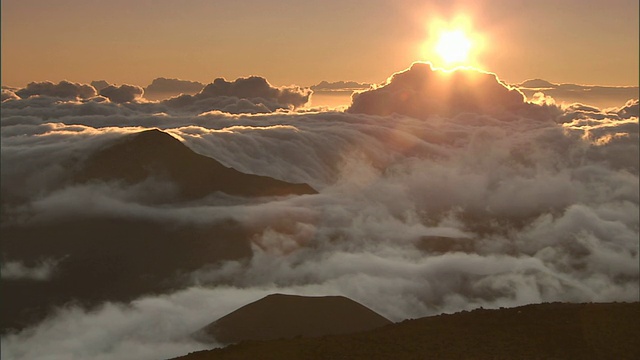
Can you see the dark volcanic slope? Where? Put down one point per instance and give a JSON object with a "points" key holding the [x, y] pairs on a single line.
{"points": [[542, 331], [153, 153], [286, 316], [108, 259]]}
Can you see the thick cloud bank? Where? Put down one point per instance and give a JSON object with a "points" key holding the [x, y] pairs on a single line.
{"points": [[63, 89], [163, 88], [422, 92], [438, 192], [244, 95], [601, 96], [123, 93]]}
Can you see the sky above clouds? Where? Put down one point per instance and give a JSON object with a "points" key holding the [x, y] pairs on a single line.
{"points": [[305, 42]]}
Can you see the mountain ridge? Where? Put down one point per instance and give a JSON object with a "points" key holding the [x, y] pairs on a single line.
{"points": [[536, 331], [286, 316], [157, 154]]}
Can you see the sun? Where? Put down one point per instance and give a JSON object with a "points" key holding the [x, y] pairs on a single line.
{"points": [[453, 43], [453, 47]]}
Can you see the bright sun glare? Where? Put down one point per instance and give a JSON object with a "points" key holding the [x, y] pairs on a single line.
{"points": [[453, 47], [453, 43]]}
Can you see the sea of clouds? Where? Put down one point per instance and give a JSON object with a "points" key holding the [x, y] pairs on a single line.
{"points": [[438, 192]]}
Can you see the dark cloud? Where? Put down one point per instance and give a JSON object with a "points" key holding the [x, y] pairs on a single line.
{"points": [[423, 92], [63, 89], [163, 88], [123, 93]]}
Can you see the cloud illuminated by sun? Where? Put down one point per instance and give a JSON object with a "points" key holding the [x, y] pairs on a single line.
{"points": [[453, 43]]}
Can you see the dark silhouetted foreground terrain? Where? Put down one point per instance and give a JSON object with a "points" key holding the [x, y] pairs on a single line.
{"points": [[154, 153], [541, 331]]}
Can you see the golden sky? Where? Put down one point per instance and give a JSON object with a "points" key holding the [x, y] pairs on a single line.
{"points": [[305, 42]]}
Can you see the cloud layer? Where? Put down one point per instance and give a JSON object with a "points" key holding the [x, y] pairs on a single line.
{"points": [[601, 96], [423, 92], [244, 95], [257, 90], [437, 193], [63, 89], [339, 86], [123, 93], [163, 88]]}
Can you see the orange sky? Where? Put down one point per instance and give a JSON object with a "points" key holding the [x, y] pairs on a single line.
{"points": [[304, 42]]}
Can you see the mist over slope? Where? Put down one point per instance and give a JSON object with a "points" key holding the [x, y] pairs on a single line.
{"points": [[431, 204]]}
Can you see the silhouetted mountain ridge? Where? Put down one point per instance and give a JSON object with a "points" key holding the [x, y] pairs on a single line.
{"points": [[156, 154], [286, 316], [537, 331]]}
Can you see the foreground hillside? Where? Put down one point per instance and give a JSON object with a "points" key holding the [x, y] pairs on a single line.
{"points": [[541, 331], [280, 316]]}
